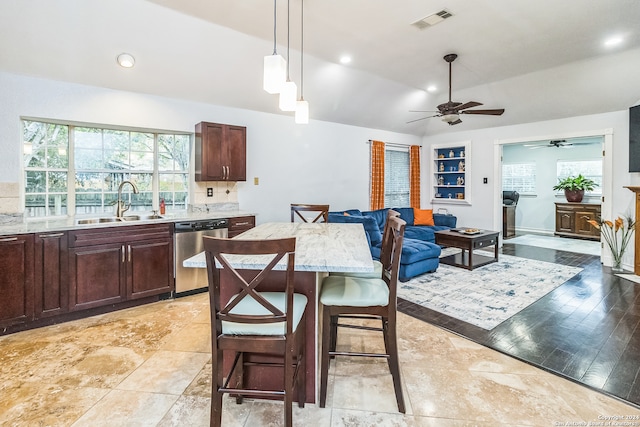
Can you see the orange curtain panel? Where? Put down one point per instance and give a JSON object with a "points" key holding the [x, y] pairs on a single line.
{"points": [[414, 176], [377, 175]]}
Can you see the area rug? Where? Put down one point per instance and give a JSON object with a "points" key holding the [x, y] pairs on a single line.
{"points": [[488, 295], [559, 243]]}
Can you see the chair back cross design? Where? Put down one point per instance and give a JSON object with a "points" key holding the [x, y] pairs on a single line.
{"points": [[255, 322], [297, 209]]}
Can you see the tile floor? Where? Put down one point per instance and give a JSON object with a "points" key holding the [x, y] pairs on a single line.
{"points": [[150, 366]]}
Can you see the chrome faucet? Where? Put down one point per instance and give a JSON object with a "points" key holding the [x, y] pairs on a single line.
{"points": [[121, 206]]}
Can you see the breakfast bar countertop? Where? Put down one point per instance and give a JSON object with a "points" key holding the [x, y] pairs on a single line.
{"points": [[323, 247]]}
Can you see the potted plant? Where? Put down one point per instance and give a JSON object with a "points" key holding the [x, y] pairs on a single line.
{"points": [[574, 187]]}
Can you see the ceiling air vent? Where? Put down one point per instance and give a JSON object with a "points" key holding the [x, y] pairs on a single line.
{"points": [[433, 19]]}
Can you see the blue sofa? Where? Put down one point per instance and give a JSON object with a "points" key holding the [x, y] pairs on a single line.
{"points": [[420, 254]]}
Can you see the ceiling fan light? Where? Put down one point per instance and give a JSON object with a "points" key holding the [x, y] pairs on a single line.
{"points": [[302, 112], [450, 118], [275, 73], [288, 96]]}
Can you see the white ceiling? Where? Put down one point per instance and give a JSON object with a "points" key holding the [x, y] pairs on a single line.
{"points": [[539, 60]]}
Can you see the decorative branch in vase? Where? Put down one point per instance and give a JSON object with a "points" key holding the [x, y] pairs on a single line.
{"points": [[617, 234]]}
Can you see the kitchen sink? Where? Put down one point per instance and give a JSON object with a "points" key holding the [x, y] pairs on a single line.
{"points": [[97, 220], [116, 219]]}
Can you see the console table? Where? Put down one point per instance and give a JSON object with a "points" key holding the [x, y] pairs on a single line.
{"points": [[571, 220]]}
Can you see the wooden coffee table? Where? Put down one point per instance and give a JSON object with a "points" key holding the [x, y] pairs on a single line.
{"points": [[468, 242]]}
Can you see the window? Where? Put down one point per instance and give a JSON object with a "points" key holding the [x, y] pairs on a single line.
{"points": [[591, 169], [520, 177], [396, 178], [97, 160]]}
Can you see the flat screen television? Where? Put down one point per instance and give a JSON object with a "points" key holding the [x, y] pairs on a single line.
{"points": [[634, 139]]}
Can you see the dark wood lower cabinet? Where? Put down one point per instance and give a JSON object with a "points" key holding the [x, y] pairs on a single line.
{"points": [[51, 274], [149, 268], [128, 263], [96, 276], [16, 280], [240, 224]]}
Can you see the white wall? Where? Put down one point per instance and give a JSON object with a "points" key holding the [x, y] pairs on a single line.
{"points": [[320, 162], [537, 212], [485, 198]]}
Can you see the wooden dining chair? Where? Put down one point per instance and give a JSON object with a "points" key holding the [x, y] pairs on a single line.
{"points": [[253, 322], [345, 297], [322, 212]]}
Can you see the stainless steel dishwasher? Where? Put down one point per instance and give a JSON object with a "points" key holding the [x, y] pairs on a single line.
{"points": [[188, 242]]}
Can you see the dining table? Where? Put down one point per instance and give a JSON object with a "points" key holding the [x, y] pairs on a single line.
{"points": [[321, 248]]}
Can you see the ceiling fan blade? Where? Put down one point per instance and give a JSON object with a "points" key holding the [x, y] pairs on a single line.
{"points": [[470, 104], [496, 112], [428, 117], [455, 123]]}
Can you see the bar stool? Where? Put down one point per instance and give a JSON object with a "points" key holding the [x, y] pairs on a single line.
{"points": [[344, 297], [253, 322]]}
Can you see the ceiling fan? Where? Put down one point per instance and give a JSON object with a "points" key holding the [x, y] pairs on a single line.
{"points": [[450, 111], [558, 143]]}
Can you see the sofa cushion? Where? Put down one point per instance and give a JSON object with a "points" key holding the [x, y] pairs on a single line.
{"points": [[447, 221], [379, 215], [370, 226], [407, 271], [422, 232], [413, 251], [423, 216], [406, 214]]}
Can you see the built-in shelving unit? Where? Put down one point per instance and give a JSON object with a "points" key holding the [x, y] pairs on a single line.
{"points": [[450, 174]]}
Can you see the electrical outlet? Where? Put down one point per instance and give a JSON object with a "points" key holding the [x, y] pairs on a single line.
{"points": [[209, 192]]}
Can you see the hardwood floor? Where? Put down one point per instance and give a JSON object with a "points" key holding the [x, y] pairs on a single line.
{"points": [[586, 330]]}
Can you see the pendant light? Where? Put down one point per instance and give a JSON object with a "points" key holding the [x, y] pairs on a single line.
{"points": [[275, 72], [302, 106], [289, 90]]}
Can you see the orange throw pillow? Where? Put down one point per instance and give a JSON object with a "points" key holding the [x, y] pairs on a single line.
{"points": [[423, 216]]}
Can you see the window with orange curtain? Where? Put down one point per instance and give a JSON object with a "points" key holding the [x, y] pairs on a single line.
{"points": [[414, 176], [377, 175]]}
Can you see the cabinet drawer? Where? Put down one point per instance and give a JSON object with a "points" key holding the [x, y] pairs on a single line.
{"points": [[98, 236], [484, 243], [241, 224]]}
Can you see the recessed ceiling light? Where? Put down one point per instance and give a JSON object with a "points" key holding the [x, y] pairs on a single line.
{"points": [[432, 88], [613, 41], [345, 59], [125, 60]]}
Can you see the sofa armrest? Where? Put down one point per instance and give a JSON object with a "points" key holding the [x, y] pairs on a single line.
{"points": [[446, 220]]}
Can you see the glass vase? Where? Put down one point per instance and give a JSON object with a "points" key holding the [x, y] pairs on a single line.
{"points": [[617, 265]]}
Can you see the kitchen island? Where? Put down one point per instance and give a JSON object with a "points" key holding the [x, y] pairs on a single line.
{"points": [[320, 249]]}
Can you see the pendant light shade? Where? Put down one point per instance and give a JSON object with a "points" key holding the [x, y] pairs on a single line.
{"points": [[302, 112], [275, 73], [275, 67], [288, 96]]}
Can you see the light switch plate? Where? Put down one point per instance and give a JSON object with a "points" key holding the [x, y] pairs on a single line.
{"points": [[256, 180]]}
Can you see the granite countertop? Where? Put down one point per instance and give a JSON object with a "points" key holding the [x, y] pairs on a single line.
{"points": [[323, 247], [70, 223]]}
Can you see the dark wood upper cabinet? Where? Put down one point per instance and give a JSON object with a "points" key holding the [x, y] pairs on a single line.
{"points": [[220, 152]]}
